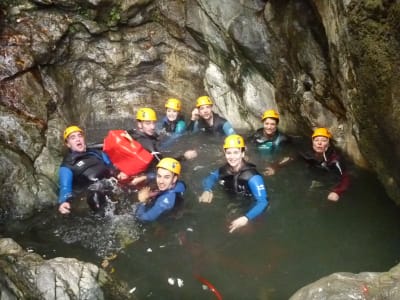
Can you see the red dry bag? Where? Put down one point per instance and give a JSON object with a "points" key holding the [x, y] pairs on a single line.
{"points": [[125, 153]]}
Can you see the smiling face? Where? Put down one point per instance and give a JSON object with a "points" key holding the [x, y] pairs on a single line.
{"points": [[234, 157], [320, 144], [172, 114], [147, 127], [165, 179], [76, 142], [270, 126], [205, 111]]}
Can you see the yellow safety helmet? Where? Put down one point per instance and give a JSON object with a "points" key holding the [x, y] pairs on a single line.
{"points": [[71, 129], [146, 114], [173, 104], [234, 141], [203, 100], [270, 113], [322, 131], [170, 164]]}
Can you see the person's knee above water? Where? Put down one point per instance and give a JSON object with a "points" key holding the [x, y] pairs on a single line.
{"points": [[269, 138], [80, 168], [169, 195], [205, 120], [240, 177], [145, 133]]}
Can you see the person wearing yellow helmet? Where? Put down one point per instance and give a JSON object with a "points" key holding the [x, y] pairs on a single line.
{"points": [[145, 133], [169, 195], [205, 120], [80, 169], [269, 138], [240, 177], [173, 122], [323, 156]]}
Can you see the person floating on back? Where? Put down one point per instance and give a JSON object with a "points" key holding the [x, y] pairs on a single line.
{"points": [[240, 177], [205, 120], [82, 170], [168, 196]]}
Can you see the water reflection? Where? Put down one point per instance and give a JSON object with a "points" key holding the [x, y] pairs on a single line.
{"points": [[300, 238]]}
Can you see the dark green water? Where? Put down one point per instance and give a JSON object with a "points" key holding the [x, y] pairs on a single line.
{"points": [[299, 239]]}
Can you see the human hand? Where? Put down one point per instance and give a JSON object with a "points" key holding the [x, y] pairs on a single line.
{"points": [[237, 223], [144, 194], [64, 208], [138, 179], [195, 114], [332, 196], [269, 171], [206, 197], [122, 176], [190, 154]]}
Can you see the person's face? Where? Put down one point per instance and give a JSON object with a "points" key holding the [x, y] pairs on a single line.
{"points": [[147, 127], [270, 126], [172, 114], [165, 179], [234, 157], [205, 112], [320, 144], [76, 142]]}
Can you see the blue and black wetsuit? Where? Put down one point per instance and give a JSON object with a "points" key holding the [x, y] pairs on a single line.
{"points": [[247, 182], [172, 130], [219, 126], [80, 169], [165, 202]]}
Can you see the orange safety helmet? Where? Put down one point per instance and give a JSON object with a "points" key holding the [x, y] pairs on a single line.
{"points": [[174, 103], [322, 131], [71, 129], [270, 113]]}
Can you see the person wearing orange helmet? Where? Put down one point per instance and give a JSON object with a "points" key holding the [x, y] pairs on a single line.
{"points": [[169, 196], [323, 156], [269, 138], [82, 168], [240, 177], [205, 120]]}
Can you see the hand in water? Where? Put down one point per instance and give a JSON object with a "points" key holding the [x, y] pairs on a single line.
{"points": [[190, 154], [239, 222], [269, 171], [64, 208], [206, 197], [144, 194], [333, 196]]}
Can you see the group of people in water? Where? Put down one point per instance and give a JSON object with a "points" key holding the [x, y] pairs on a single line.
{"points": [[85, 168]]}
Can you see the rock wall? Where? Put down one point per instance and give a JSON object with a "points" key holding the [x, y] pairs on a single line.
{"points": [[320, 63]]}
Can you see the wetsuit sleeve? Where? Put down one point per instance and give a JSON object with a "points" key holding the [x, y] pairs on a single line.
{"points": [[65, 180], [228, 129], [163, 203], [344, 182], [210, 180], [259, 192], [180, 127], [193, 126]]}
